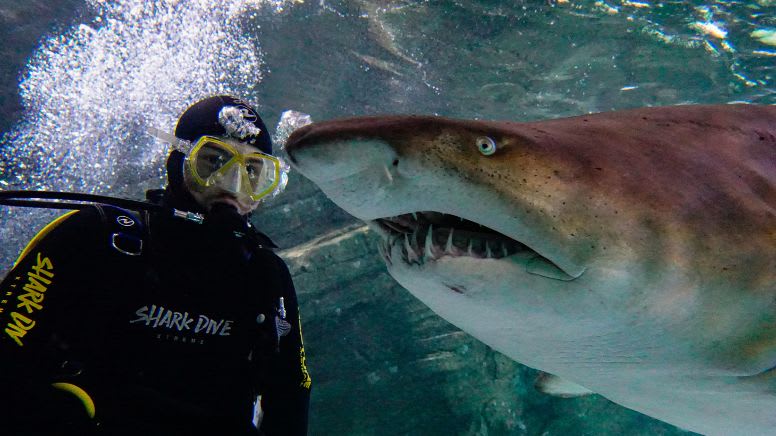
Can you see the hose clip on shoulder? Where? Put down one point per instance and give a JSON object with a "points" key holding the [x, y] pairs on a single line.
{"points": [[190, 216]]}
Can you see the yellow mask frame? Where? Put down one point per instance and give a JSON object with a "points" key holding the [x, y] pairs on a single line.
{"points": [[215, 175]]}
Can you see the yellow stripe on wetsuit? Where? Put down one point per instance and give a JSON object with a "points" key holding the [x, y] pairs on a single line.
{"points": [[41, 234], [80, 394]]}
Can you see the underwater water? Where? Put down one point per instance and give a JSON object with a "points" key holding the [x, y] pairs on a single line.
{"points": [[82, 80]]}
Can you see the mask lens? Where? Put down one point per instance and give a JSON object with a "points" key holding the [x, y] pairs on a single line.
{"points": [[210, 158], [216, 163], [261, 173]]}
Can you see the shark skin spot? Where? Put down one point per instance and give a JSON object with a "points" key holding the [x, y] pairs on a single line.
{"points": [[633, 251]]}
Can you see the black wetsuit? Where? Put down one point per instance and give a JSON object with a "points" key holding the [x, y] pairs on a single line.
{"points": [[178, 340]]}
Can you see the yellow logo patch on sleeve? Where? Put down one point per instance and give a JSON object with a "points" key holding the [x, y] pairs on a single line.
{"points": [[30, 299]]}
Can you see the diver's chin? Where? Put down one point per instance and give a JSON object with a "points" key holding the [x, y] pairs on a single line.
{"points": [[227, 200], [241, 203]]}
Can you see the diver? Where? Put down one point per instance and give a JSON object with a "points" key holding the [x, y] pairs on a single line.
{"points": [[124, 322]]}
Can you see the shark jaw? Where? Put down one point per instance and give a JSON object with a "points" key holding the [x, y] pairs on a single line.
{"points": [[419, 239]]}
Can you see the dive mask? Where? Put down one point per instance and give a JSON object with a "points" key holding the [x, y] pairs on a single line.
{"points": [[212, 162]]}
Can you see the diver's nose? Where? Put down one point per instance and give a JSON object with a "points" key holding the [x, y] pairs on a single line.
{"points": [[231, 179]]}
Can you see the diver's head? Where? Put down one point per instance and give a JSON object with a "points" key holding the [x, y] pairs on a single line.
{"points": [[228, 159]]}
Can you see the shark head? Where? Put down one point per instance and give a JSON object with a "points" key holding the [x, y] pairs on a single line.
{"points": [[409, 175], [594, 247]]}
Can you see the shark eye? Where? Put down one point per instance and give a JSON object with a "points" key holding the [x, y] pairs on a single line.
{"points": [[486, 145]]}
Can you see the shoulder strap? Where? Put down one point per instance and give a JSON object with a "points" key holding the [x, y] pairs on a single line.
{"points": [[125, 230]]}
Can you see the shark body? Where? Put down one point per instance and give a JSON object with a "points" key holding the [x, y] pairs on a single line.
{"points": [[632, 253]]}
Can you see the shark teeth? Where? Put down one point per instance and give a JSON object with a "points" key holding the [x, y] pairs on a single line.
{"points": [[449, 243], [429, 236], [428, 252], [388, 174], [429, 243], [419, 240], [411, 254]]}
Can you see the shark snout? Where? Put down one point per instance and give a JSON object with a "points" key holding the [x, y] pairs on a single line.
{"points": [[322, 160], [297, 140], [341, 147]]}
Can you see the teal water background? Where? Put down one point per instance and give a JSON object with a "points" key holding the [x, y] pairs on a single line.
{"points": [[82, 80]]}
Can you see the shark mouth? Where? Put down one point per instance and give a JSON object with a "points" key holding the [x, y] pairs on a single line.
{"points": [[428, 236]]}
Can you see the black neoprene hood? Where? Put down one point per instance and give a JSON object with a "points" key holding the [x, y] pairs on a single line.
{"points": [[200, 119]]}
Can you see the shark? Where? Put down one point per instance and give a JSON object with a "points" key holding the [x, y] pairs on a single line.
{"points": [[629, 253]]}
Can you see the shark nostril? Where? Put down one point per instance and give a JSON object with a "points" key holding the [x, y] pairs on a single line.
{"points": [[396, 162]]}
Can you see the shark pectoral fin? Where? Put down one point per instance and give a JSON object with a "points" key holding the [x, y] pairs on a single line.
{"points": [[556, 386], [542, 267]]}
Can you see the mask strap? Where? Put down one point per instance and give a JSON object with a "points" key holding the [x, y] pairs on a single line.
{"points": [[181, 145]]}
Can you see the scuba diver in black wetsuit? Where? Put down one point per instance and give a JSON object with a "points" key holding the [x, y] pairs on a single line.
{"points": [[119, 323]]}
